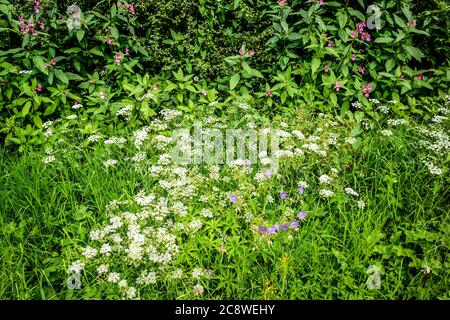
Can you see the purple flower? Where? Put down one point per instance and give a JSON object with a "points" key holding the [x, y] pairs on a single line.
{"points": [[301, 190], [283, 195], [271, 231], [293, 224], [301, 215], [233, 199], [263, 229], [284, 227], [276, 227]]}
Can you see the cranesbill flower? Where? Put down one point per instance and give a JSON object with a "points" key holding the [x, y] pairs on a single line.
{"points": [[263, 229], [293, 224], [241, 52], [284, 227], [233, 199], [301, 215], [283, 195], [271, 231]]}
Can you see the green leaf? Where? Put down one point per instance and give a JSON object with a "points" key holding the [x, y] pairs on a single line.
{"points": [[384, 40], [315, 64], [390, 64], [236, 4], [321, 24], [114, 32], [257, 74], [294, 36], [73, 76], [407, 13], [39, 63], [72, 50], [80, 35], [96, 52], [285, 26], [414, 52], [26, 109], [234, 80], [61, 76], [342, 18], [37, 121]]}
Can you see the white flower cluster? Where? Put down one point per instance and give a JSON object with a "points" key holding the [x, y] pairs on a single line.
{"points": [[115, 140], [351, 192], [125, 111], [396, 122], [110, 163], [433, 168]]}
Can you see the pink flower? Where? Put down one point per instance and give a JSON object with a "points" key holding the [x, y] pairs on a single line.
{"points": [[411, 24], [53, 62], [118, 57], [241, 52], [109, 41], [337, 87], [37, 6], [21, 21], [366, 89], [127, 52], [131, 9], [353, 57], [362, 70], [282, 3], [361, 26], [250, 52], [39, 87], [353, 34], [42, 26], [30, 22], [366, 37], [420, 77], [321, 2], [268, 94], [330, 43], [326, 68]]}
